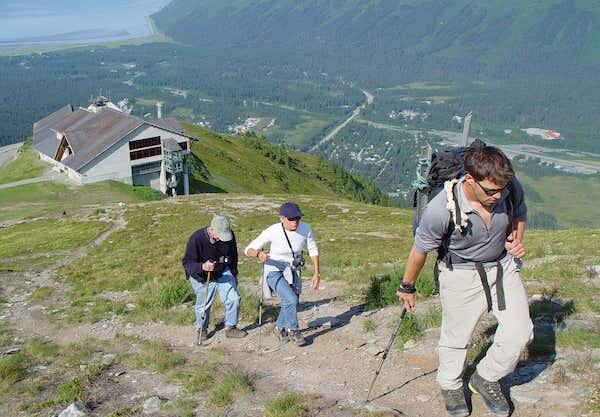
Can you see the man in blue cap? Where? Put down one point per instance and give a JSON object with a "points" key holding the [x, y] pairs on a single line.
{"points": [[212, 251], [283, 266]]}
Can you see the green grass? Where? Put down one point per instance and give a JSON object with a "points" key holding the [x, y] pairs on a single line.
{"points": [[26, 165], [145, 257], [413, 325], [28, 263], [40, 293], [30, 200], [153, 355], [47, 236], [195, 378], [226, 388], [578, 338], [12, 369], [382, 289], [285, 405]]}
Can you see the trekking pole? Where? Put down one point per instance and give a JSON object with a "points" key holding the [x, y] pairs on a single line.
{"points": [[260, 303], [199, 339], [387, 350]]}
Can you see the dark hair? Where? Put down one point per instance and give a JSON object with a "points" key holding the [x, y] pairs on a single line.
{"points": [[489, 163]]}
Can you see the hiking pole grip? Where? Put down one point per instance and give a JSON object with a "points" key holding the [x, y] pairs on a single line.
{"points": [[386, 351], [203, 316]]}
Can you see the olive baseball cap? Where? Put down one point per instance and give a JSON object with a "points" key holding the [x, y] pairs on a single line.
{"points": [[222, 227]]}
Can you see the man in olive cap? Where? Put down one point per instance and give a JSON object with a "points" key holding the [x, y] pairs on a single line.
{"points": [[212, 252]]}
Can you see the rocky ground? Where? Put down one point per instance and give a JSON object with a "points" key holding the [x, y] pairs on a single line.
{"points": [[334, 371]]}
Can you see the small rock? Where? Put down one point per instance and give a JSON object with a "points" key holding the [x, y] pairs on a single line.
{"points": [[289, 358], [119, 373], [525, 398], [108, 359], [11, 351], [410, 343], [130, 307], [594, 268], [536, 297], [152, 405], [423, 398], [74, 410]]}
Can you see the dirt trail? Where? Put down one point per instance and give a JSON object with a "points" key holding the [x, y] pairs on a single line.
{"points": [[337, 366]]}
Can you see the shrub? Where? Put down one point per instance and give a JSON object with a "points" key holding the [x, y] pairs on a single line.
{"points": [[173, 292]]}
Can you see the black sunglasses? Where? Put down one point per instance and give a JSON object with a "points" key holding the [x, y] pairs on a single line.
{"points": [[293, 219], [490, 191]]}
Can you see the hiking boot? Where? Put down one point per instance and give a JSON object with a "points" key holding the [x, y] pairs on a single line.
{"points": [[296, 337], [492, 395], [281, 334], [456, 405], [234, 332]]}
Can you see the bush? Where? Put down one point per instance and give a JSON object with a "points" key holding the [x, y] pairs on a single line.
{"points": [[173, 292]]}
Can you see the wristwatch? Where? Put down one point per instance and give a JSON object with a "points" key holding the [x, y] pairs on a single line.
{"points": [[407, 288]]}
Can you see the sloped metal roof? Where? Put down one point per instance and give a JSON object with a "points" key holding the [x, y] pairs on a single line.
{"points": [[91, 136], [52, 118], [171, 144]]}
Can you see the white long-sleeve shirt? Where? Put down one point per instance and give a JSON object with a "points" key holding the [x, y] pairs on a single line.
{"points": [[280, 255]]}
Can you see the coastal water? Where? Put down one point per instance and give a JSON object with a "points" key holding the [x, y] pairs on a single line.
{"points": [[34, 22]]}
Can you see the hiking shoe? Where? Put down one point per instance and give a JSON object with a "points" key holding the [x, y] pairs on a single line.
{"points": [[234, 332], [492, 395], [281, 334], [456, 405], [296, 337]]}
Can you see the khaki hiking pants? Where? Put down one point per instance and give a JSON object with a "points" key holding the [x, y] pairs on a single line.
{"points": [[463, 303]]}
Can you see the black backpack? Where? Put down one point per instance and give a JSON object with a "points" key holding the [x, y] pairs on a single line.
{"points": [[446, 166]]}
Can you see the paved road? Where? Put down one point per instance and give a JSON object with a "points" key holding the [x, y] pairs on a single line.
{"points": [[355, 114], [529, 151], [8, 152]]}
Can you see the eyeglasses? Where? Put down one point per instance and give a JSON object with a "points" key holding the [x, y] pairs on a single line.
{"points": [[293, 219], [490, 191]]}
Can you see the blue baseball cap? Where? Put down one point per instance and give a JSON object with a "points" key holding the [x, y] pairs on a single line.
{"points": [[290, 210]]}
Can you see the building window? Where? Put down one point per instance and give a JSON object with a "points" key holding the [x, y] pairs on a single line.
{"points": [[183, 145], [145, 153], [144, 143], [143, 169]]}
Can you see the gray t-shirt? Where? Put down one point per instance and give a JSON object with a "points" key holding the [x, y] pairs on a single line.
{"points": [[477, 243]]}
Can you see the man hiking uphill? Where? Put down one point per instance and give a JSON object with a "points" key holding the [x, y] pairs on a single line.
{"points": [[283, 266], [471, 224], [211, 256]]}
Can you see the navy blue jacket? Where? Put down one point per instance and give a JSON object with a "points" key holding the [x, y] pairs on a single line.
{"points": [[199, 249]]}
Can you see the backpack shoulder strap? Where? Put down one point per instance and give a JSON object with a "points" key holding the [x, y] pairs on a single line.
{"points": [[510, 206]]}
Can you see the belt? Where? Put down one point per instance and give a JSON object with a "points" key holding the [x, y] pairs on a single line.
{"points": [[451, 259]]}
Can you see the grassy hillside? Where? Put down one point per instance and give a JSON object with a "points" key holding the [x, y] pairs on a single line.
{"points": [[249, 164]]}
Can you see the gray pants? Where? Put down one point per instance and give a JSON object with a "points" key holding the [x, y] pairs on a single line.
{"points": [[463, 303]]}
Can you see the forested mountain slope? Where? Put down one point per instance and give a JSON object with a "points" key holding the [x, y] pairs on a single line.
{"points": [[381, 39]]}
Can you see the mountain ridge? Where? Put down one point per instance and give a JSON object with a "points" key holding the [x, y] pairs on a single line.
{"points": [[461, 37]]}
